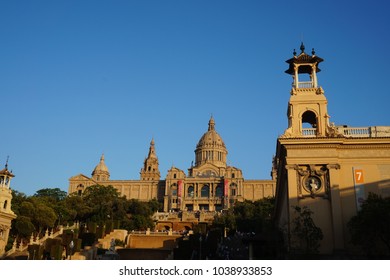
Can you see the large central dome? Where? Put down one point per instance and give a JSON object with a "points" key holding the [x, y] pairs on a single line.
{"points": [[211, 148]]}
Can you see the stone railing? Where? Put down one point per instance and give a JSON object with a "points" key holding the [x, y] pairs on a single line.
{"points": [[308, 84], [353, 132], [185, 216], [370, 131], [149, 232], [22, 247], [309, 132]]}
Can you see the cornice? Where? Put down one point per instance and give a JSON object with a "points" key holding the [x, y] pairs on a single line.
{"points": [[335, 143], [338, 146]]}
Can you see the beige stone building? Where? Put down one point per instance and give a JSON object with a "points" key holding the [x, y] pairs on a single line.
{"points": [[6, 214], [209, 185], [328, 168]]}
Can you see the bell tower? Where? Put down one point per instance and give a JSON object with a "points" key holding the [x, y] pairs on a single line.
{"points": [[307, 109], [6, 214], [150, 170]]}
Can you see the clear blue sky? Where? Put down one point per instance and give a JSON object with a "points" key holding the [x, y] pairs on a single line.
{"points": [[82, 78]]}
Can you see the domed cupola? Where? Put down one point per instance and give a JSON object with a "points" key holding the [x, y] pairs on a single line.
{"points": [[100, 173], [211, 148]]}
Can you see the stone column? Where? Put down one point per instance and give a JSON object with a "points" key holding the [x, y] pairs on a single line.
{"points": [[293, 196], [166, 203], [334, 178]]}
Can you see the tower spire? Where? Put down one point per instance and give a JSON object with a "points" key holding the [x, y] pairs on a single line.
{"points": [[150, 170], [6, 163], [152, 150]]}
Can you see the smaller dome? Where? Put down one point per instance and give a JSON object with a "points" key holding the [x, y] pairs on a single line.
{"points": [[101, 167]]}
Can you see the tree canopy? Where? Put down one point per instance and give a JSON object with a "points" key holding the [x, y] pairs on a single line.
{"points": [[370, 228], [305, 235], [48, 208], [247, 216]]}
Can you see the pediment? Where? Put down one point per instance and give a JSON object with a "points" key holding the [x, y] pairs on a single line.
{"points": [[80, 177], [232, 168], [175, 169]]}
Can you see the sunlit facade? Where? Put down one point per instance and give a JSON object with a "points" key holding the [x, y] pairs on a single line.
{"points": [[6, 214], [209, 185], [328, 168]]}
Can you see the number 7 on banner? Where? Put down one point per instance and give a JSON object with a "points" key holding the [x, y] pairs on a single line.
{"points": [[359, 178]]}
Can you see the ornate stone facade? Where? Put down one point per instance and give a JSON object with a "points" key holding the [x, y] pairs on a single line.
{"points": [[210, 185], [6, 214], [330, 169]]}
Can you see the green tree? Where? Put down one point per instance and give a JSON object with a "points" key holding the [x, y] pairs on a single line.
{"points": [[44, 216], [55, 194], [247, 216], [227, 220], [100, 199], [72, 208], [265, 208], [155, 205], [36, 211], [305, 235], [17, 199], [370, 228], [138, 215], [136, 207], [27, 209], [23, 227]]}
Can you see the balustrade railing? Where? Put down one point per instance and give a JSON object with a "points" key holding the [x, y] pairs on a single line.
{"points": [[309, 132], [353, 132], [305, 84], [21, 247]]}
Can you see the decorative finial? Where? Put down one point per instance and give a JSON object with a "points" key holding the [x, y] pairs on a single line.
{"points": [[211, 124], [295, 53], [313, 52], [6, 163], [302, 48]]}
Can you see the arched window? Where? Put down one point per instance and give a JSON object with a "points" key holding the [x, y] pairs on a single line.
{"points": [[190, 191], [309, 118], [80, 189], [219, 191], [205, 191], [5, 204]]}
